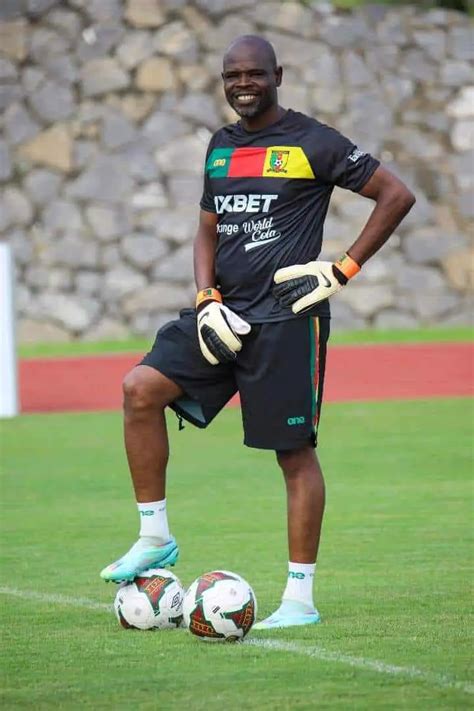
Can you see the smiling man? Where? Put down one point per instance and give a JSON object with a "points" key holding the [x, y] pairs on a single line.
{"points": [[261, 322]]}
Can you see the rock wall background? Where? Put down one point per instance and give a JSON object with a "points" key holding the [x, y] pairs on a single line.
{"points": [[106, 109]]}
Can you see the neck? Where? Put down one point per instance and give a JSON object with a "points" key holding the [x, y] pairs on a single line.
{"points": [[270, 116]]}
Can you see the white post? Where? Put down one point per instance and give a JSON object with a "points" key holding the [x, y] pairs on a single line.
{"points": [[8, 375]]}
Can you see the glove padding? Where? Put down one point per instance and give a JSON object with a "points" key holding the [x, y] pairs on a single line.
{"points": [[301, 286], [218, 330]]}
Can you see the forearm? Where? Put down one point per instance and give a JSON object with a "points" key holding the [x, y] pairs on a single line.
{"points": [[302, 286], [204, 262], [205, 252], [389, 211], [218, 327]]}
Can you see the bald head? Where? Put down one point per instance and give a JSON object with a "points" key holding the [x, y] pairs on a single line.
{"points": [[251, 46], [251, 78]]}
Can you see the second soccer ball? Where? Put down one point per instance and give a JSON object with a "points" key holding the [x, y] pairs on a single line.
{"points": [[220, 606]]}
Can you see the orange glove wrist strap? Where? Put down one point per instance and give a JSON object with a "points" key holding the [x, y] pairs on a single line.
{"points": [[347, 266], [209, 294]]}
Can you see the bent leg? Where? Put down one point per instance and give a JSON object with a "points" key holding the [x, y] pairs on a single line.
{"points": [[147, 392], [305, 502]]}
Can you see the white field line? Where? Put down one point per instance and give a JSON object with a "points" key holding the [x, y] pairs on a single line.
{"points": [[274, 645], [361, 663], [55, 599]]}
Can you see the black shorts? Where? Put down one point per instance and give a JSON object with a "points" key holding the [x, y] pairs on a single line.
{"points": [[279, 374]]}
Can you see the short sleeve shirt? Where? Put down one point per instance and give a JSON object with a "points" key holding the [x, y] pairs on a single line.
{"points": [[271, 190]]}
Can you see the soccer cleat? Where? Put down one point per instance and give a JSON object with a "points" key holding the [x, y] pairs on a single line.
{"points": [[290, 614], [140, 558]]}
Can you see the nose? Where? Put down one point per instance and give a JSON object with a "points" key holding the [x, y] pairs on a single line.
{"points": [[243, 80]]}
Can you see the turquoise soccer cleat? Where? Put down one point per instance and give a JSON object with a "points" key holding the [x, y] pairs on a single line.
{"points": [[139, 558], [290, 614]]}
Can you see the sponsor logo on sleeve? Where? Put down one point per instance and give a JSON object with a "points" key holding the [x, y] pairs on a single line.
{"points": [[355, 155]]}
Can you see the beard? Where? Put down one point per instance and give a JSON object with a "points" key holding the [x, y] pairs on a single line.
{"points": [[256, 108]]}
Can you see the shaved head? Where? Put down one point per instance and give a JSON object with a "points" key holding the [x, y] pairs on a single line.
{"points": [[251, 79], [251, 45]]}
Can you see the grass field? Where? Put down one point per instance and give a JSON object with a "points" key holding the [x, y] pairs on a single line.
{"points": [[461, 5], [393, 583], [141, 345]]}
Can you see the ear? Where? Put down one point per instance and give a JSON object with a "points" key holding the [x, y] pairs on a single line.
{"points": [[278, 76]]}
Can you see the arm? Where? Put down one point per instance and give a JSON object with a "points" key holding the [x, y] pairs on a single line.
{"points": [[393, 200], [304, 285], [218, 327], [205, 250]]}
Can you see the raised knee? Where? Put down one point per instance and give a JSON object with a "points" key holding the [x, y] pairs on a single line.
{"points": [[137, 392]]}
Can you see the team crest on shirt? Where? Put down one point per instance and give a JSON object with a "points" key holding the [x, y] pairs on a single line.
{"points": [[278, 161]]}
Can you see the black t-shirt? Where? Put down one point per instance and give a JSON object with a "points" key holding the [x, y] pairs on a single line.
{"points": [[271, 192]]}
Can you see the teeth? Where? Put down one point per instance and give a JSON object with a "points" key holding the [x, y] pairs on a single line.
{"points": [[245, 97]]}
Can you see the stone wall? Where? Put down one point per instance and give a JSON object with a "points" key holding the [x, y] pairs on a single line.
{"points": [[106, 109]]}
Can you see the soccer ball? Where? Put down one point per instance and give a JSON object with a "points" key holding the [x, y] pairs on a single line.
{"points": [[219, 607], [153, 600]]}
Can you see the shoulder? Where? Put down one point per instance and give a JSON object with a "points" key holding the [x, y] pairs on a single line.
{"points": [[313, 134], [302, 122], [316, 129], [224, 135]]}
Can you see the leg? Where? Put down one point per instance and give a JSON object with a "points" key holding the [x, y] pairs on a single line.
{"points": [[146, 394], [305, 504], [297, 362], [305, 500]]}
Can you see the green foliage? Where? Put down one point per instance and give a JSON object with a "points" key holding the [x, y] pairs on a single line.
{"points": [[460, 5], [392, 582]]}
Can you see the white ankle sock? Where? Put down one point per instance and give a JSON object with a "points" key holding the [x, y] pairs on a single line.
{"points": [[299, 586], [154, 522]]}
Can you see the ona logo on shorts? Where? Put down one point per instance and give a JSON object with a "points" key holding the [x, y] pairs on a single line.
{"points": [[243, 203], [295, 421]]}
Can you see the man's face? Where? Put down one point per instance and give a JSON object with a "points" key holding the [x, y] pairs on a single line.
{"points": [[250, 82]]}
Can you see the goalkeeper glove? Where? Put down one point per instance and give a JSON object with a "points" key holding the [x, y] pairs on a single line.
{"points": [[301, 286], [218, 327]]}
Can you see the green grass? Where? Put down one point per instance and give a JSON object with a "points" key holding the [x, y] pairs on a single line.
{"points": [[422, 335], [75, 348], [393, 581], [460, 5], [38, 350]]}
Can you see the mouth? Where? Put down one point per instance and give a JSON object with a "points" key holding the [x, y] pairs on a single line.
{"points": [[245, 99]]}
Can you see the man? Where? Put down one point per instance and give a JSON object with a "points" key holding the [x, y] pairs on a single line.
{"points": [[262, 317]]}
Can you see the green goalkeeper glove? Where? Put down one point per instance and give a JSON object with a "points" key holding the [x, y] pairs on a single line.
{"points": [[301, 286], [218, 328]]}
